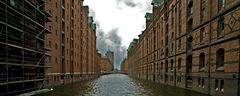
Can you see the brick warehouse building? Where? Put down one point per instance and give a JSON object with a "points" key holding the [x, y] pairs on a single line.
{"points": [[192, 44], [45, 43], [22, 49], [105, 65], [124, 65], [73, 42]]}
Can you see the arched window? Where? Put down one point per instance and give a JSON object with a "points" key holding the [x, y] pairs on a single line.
{"points": [[220, 58], [201, 61], [172, 65]]}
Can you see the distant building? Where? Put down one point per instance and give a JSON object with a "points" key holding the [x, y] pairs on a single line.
{"points": [[124, 65], [105, 65], [109, 54], [97, 67]]}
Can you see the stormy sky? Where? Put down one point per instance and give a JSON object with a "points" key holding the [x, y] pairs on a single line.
{"points": [[118, 22]]}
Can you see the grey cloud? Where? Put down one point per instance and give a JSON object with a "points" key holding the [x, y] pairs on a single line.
{"points": [[113, 42], [129, 3]]}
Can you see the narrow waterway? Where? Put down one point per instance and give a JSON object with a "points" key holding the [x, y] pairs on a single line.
{"points": [[118, 85]]}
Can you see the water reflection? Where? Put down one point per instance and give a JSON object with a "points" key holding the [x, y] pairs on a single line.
{"points": [[118, 85], [156, 89]]}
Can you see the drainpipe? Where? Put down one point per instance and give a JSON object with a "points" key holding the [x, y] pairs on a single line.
{"points": [[209, 48]]}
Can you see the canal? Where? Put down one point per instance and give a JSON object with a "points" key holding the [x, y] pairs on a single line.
{"points": [[118, 85]]}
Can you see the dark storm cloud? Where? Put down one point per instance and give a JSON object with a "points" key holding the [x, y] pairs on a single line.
{"points": [[129, 3], [111, 41]]}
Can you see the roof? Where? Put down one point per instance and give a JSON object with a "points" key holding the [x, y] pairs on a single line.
{"points": [[158, 2], [91, 22], [132, 44], [148, 16]]}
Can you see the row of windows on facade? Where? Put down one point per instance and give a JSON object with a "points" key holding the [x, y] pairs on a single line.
{"points": [[220, 33], [218, 87], [221, 4], [201, 82], [202, 15], [219, 62], [202, 35], [63, 3]]}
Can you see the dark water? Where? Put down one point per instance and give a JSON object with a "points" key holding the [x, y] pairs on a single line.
{"points": [[118, 85]]}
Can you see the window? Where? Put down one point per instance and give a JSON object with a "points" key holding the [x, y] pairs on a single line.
{"points": [[220, 59], [56, 60], [201, 61], [216, 85], [63, 26], [202, 82], [202, 35], [63, 3], [161, 65], [56, 19], [190, 25], [221, 4], [220, 27], [166, 29], [199, 82], [166, 67], [190, 9], [167, 40], [171, 65], [172, 47], [190, 40], [49, 44], [179, 19], [56, 46], [56, 32], [166, 53], [162, 42], [72, 1], [179, 44], [50, 28], [63, 13], [222, 85], [179, 63], [172, 18], [56, 5], [72, 14], [202, 12]]}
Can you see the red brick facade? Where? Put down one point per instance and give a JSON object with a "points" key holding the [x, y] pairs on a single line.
{"points": [[73, 43], [194, 45]]}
